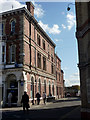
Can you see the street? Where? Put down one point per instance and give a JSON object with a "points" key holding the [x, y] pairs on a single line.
{"points": [[63, 109]]}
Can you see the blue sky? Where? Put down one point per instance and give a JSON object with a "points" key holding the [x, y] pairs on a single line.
{"points": [[60, 25]]}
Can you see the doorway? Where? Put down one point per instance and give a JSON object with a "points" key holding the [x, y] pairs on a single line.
{"points": [[12, 87]]}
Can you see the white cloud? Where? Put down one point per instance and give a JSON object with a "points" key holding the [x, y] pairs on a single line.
{"points": [[6, 5], [64, 27], [58, 40], [73, 80], [39, 12], [52, 30], [71, 20]]}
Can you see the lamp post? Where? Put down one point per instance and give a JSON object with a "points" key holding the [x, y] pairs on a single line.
{"points": [[68, 8]]}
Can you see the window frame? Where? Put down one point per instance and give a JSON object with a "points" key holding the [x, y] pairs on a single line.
{"points": [[13, 26]]}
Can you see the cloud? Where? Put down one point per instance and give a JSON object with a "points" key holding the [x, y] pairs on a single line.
{"points": [[64, 27], [39, 12], [70, 20], [73, 80], [6, 5], [52, 30]]}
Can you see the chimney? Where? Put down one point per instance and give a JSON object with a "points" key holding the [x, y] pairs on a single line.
{"points": [[30, 7]]}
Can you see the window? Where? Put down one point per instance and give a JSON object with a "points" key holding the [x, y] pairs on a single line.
{"points": [[39, 86], [56, 75], [38, 60], [12, 53], [45, 86], [43, 44], [49, 88], [59, 76], [2, 28], [32, 87], [48, 55], [38, 40], [3, 53], [44, 63], [52, 69], [52, 88], [51, 57], [13, 26]]}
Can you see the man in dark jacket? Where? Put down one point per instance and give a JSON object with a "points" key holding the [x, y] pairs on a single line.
{"points": [[38, 98], [25, 101]]}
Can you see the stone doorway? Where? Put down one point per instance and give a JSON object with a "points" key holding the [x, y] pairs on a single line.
{"points": [[12, 86]]}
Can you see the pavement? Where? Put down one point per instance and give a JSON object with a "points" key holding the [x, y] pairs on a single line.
{"points": [[72, 115]]}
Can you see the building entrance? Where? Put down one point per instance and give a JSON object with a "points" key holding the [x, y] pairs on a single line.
{"points": [[12, 87]]}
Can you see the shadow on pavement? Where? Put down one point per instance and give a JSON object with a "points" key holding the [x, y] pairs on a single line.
{"points": [[45, 114]]}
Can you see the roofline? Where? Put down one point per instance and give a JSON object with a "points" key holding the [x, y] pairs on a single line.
{"points": [[23, 8], [57, 57]]}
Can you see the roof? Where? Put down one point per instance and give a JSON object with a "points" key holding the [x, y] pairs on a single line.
{"points": [[23, 9], [57, 57]]}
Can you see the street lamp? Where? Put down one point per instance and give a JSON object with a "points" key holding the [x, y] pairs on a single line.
{"points": [[68, 8]]}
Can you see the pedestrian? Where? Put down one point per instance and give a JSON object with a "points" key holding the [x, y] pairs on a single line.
{"points": [[25, 101], [38, 98], [44, 97], [9, 99]]}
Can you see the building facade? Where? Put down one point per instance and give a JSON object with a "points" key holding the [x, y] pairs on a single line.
{"points": [[59, 78], [83, 38], [29, 56]]}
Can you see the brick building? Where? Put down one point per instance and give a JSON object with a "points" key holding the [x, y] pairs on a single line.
{"points": [[28, 56], [59, 78], [83, 38]]}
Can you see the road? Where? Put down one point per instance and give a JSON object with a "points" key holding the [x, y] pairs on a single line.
{"points": [[58, 110]]}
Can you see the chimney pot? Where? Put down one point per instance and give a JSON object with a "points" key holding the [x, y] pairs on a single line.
{"points": [[30, 7]]}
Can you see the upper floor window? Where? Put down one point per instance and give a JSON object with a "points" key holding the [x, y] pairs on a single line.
{"points": [[56, 75], [38, 40], [44, 63], [48, 55], [52, 68], [12, 53], [43, 44], [48, 52], [1, 29], [59, 76], [13, 26], [3, 53], [38, 60], [51, 57]]}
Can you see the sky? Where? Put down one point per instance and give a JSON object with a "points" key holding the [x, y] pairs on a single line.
{"points": [[60, 25]]}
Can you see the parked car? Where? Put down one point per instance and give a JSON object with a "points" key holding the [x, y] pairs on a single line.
{"points": [[68, 95]]}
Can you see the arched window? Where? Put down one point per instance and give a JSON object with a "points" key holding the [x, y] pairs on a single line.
{"points": [[52, 88], [49, 89], [32, 87], [45, 86], [13, 26], [39, 86]]}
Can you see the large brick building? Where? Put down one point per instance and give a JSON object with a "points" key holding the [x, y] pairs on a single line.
{"points": [[83, 38], [28, 57]]}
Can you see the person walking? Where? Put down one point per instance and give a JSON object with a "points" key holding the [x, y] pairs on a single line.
{"points": [[44, 97], [9, 99], [38, 98], [25, 101]]}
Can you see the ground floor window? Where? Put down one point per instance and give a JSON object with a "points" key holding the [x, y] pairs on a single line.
{"points": [[39, 86], [32, 87]]}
